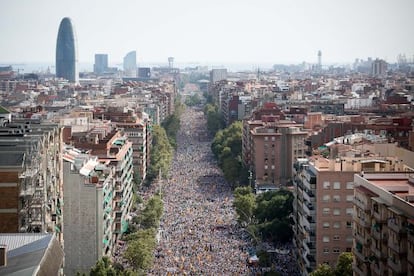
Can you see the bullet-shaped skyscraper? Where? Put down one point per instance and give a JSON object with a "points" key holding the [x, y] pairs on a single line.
{"points": [[66, 52]]}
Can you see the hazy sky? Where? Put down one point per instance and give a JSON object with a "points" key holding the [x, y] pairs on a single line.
{"points": [[242, 31]]}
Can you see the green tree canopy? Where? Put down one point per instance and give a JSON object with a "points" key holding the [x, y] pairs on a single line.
{"points": [[344, 264], [227, 148], [323, 270], [161, 153], [244, 203]]}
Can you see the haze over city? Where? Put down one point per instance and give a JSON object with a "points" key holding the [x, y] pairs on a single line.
{"points": [[211, 32]]}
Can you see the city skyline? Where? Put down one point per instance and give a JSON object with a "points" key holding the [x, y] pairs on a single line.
{"points": [[220, 32]]}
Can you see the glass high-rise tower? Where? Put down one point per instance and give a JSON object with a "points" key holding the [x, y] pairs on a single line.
{"points": [[130, 64], [66, 52]]}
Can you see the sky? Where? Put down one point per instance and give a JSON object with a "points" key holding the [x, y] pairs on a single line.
{"points": [[213, 31]]}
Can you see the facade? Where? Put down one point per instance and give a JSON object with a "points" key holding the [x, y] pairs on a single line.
{"points": [[384, 224], [323, 205], [89, 210], [130, 64], [101, 63], [269, 149], [135, 128], [66, 52], [113, 148], [30, 178]]}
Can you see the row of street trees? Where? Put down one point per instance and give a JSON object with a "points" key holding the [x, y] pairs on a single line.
{"points": [[163, 143], [140, 241], [267, 215]]}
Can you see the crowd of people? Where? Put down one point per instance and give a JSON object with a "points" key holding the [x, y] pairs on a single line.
{"points": [[198, 233]]}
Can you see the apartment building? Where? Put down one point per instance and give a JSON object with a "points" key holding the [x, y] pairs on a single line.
{"points": [[384, 223], [30, 178], [112, 148], [269, 149], [323, 204], [90, 210]]}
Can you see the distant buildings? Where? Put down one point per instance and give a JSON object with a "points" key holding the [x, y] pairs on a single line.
{"points": [[66, 52], [379, 68], [101, 63], [218, 75], [130, 64]]}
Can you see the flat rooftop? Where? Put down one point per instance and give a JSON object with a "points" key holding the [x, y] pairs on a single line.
{"points": [[399, 184]]}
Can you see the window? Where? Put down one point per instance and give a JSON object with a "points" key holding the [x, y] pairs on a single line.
{"points": [[349, 239], [326, 185], [349, 224], [349, 198], [336, 237], [273, 138], [326, 198], [266, 138], [326, 225], [337, 185], [350, 185], [326, 211], [349, 211], [336, 212], [337, 224], [325, 239], [326, 250], [335, 250], [336, 198], [348, 249]]}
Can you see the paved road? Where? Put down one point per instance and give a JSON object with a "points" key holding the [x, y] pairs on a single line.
{"points": [[198, 233]]}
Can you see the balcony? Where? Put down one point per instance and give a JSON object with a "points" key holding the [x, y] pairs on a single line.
{"points": [[397, 228], [410, 256], [362, 221], [27, 191], [359, 237], [362, 205], [358, 270], [380, 216], [398, 266], [381, 253], [398, 246]]}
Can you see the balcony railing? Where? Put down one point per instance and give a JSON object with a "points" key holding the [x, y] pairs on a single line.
{"points": [[398, 266], [400, 247], [381, 253], [363, 221], [362, 205], [397, 228]]}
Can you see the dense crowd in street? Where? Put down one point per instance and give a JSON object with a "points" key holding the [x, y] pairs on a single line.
{"points": [[198, 233]]}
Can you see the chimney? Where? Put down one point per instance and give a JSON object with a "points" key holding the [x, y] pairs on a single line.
{"points": [[3, 255]]}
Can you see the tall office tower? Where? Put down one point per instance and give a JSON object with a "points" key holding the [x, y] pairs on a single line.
{"points": [[66, 52], [130, 64], [101, 63], [319, 60]]}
